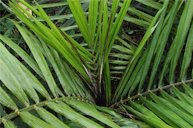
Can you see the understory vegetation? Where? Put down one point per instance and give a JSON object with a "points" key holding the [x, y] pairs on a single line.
{"points": [[96, 64]]}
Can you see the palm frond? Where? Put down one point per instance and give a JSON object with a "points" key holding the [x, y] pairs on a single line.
{"points": [[54, 34], [33, 95], [166, 110], [154, 56]]}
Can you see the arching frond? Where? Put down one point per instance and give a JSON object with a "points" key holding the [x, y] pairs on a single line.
{"points": [[35, 96], [167, 110], [145, 65]]}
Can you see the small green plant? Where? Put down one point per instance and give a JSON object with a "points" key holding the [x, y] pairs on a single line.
{"points": [[89, 73]]}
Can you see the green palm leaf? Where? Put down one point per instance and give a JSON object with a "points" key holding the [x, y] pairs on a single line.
{"points": [[82, 58]]}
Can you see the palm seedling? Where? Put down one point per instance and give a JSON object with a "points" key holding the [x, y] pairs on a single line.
{"points": [[87, 72]]}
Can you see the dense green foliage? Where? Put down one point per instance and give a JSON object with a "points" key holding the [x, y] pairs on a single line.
{"points": [[80, 67]]}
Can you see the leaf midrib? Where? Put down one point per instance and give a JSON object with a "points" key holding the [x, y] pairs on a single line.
{"points": [[122, 101], [40, 104]]}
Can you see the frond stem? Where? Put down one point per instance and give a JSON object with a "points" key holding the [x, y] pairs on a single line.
{"points": [[122, 101], [34, 106]]}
